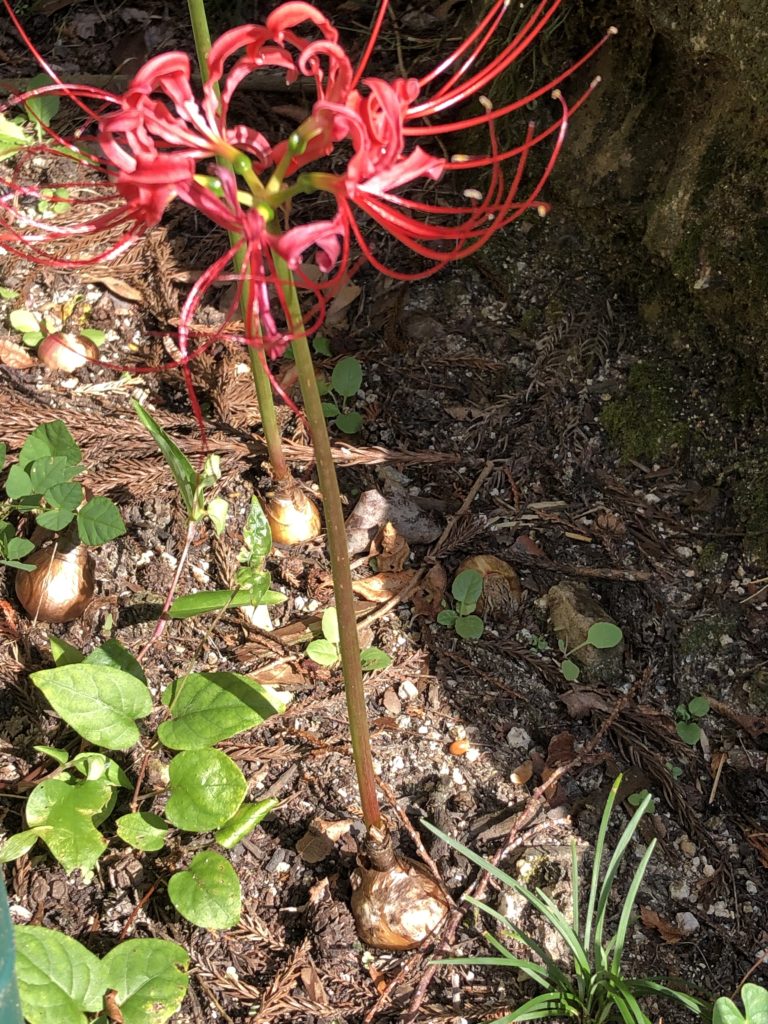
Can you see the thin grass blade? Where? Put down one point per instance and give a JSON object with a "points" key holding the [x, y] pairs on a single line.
{"points": [[629, 902], [594, 887]]}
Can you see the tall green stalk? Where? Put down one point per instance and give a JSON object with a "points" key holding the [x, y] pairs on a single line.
{"points": [[10, 1012], [261, 381]]}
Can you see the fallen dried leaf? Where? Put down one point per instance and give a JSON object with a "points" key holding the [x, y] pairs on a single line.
{"points": [[669, 932], [561, 750], [390, 549], [391, 702], [16, 356], [526, 546], [313, 846], [310, 979], [428, 598], [344, 297], [581, 703], [122, 289], [384, 585], [753, 725]]}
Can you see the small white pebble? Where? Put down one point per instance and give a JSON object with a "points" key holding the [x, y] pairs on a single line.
{"points": [[751, 888], [518, 738], [687, 923], [407, 690], [708, 870], [472, 754]]}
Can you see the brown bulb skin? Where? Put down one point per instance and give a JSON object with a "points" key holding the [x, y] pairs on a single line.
{"points": [[293, 517], [396, 902], [66, 352], [60, 588]]}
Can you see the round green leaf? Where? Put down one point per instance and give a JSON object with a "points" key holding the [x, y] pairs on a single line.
{"points": [[373, 659], [755, 999], [469, 627], [699, 707], [24, 321], [99, 702], [689, 732], [207, 788], [447, 617], [208, 707], [59, 979], [93, 334], [64, 495], [55, 519], [142, 830], [18, 485], [243, 822], [467, 586], [726, 1012], [98, 521], [19, 547], [604, 635], [323, 652], [349, 422], [347, 376], [330, 625], [570, 670], [208, 893], [330, 409], [149, 978]]}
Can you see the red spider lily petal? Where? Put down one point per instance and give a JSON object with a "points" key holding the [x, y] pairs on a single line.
{"points": [[324, 234]]}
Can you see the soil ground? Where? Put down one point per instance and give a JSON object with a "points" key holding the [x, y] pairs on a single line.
{"points": [[482, 396]]}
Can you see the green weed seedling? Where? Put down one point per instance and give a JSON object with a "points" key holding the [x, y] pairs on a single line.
{"points": [[33, 327], [104, 696], [589, 982], [687, 729], [602, 635], [346, 379], [43, 483], [62, 981], [326, 651], [466, 590], [755, 1000]]}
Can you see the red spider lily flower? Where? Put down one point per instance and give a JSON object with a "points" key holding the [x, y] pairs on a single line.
{"points": [[384, 119]]}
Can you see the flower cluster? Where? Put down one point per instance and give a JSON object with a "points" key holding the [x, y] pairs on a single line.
{"points": [[157, 142]]}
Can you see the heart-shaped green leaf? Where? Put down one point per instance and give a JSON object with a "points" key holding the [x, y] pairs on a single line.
{"points": [[208, 707], [324, 653], [69, 807], [207, 788], [49, 439], [349, 422], [698, 707], [55, 519], [373, 659], [99, 702], [149, 978], [59, 979], [51, 471], [208, 893], [114, 655], [143, 830], [98, 521], [64, 495]]}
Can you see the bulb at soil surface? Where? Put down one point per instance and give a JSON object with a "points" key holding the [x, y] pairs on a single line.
{"points": [[398, 906], [66, 352], [502, 592], [60, 588], [293, 517]]}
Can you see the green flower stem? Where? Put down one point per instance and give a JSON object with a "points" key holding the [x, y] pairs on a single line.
{"points": [[349, 644], [261, 381]]}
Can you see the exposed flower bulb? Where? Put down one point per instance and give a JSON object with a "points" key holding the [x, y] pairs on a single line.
{"points": [[66, 352], [61, 586], [502, 592], [396, 902], [293, 517]]}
